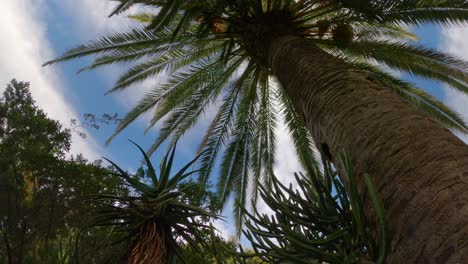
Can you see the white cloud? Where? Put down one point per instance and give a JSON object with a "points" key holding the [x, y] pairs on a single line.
{"points": [[89, 21], [24, 48], [225, 225], [286, 165], [90, 17], [453, 41]]}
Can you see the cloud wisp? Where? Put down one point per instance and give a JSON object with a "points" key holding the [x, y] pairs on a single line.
{"points": [[90, 20], [24, 49], [453, 41]]}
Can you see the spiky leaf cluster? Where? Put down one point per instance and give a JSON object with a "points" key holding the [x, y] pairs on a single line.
{"points": [[159, 202], [214, 53], [318, 221]]}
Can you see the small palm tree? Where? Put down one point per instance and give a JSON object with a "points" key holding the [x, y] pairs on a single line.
{"points": [[320, 63], [155, 217]]}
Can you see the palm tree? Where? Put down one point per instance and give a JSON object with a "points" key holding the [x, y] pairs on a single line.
{"points": [[156, 217], [320, 63]]}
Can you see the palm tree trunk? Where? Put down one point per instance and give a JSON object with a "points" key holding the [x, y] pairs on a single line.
{"points": [[150, 247], [419, 167]]}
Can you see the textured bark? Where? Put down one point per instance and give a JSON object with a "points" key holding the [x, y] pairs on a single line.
{"points": [[150, 247], [419, 167]]}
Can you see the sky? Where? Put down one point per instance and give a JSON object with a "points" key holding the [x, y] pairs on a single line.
{"points": [[34, 31]]}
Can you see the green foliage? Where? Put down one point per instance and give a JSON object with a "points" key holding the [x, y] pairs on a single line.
{"points": [[45, 214], [40, 215], [217, 251], [92, 121], [157, 215], [319, 221], [216, 52]]}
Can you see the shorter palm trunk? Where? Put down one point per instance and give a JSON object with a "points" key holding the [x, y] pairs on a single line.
{"points": [[150, 247], [419, 167]]}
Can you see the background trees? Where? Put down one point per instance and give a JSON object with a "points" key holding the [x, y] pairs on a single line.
{"points": [[50, 212], [41, 217]]}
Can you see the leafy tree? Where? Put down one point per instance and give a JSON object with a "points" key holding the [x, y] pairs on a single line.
{"points": [[40, 215], [27, 138], [317, 59], [220, 251], [81, 179], [94, 122], [217, 250]]}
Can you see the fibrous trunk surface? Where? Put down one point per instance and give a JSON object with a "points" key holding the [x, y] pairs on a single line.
{"points": [[150, 247], [419, 167]]}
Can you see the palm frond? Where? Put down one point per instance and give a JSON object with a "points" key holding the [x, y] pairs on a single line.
{"points": [[416, 16], [135, 39], [194, 101], [416, 60], [235, 176], [265, 146], [301, 138], [169, 62], [219, 128], [417, 98]]}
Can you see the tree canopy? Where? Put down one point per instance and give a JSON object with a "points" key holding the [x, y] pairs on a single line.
{"points": [[41, 216]]}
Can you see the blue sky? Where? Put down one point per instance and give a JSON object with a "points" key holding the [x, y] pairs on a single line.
{"points": [[35, 31]]}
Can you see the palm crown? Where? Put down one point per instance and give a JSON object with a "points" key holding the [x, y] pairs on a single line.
{"points": [[215, 54], [157, 217]]}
